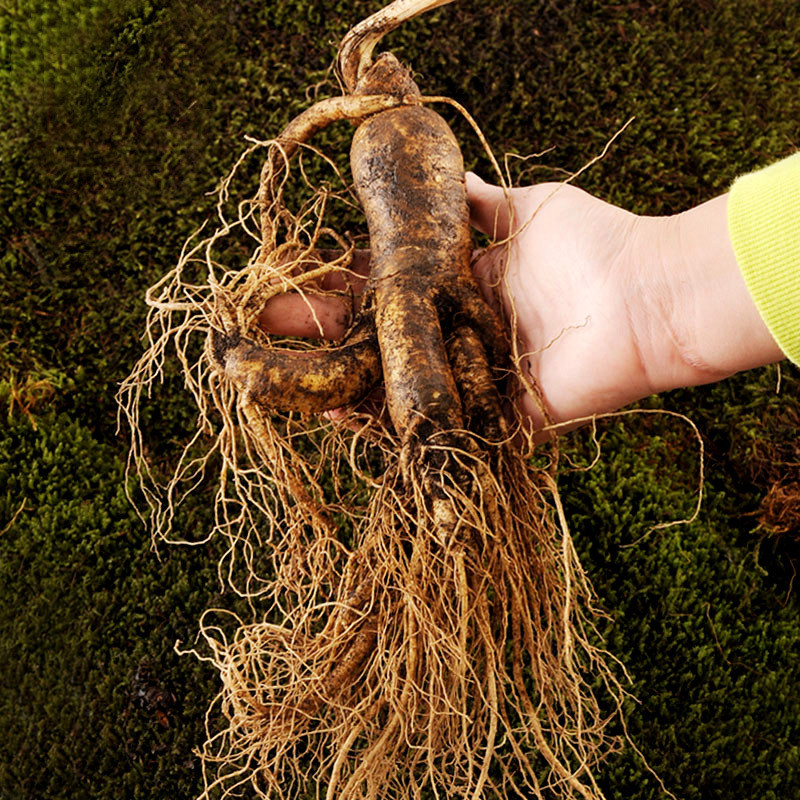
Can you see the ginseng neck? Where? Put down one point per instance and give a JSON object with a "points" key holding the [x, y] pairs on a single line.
{"points": [[387, 76]]}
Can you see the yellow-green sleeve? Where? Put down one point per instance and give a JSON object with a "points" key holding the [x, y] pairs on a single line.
{"points": [[764, 225]]}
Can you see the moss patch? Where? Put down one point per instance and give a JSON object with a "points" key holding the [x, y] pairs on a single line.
{"points": [[120, 114]]}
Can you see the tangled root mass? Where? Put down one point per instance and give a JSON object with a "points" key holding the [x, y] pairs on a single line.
{"points": [[421, 622]]}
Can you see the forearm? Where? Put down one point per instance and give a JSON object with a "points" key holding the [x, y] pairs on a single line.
{"points": [[764, 223], [729, 331]]}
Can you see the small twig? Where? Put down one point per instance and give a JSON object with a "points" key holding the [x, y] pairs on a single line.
{"points": [[14, 518]]}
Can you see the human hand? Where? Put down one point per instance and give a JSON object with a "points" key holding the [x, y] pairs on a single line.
{"points": [[611, 306]]}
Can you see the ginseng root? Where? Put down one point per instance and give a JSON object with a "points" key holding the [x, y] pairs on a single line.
{"points": [[445, 639]]}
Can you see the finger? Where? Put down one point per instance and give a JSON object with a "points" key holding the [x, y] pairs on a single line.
{"points": [[310, 314], [488, 207], [352, 278], [371, 408]]}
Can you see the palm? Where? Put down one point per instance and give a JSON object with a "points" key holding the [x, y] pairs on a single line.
{"points": [[566, 278]]}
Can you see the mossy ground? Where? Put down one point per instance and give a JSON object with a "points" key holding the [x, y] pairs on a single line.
{"points": [[120, 114]]}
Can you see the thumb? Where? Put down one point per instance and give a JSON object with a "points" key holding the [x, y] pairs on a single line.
{"points": [[488, 207]]}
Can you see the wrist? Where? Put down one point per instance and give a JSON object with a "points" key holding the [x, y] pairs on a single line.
{"points": [[701, 322]]}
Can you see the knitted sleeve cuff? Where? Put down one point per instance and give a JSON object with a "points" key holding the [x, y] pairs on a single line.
{"points": [[764, 225]]}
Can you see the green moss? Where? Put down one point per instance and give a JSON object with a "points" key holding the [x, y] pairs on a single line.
{"points": [[94, 696], [710, 642], [120, 115]]}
